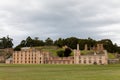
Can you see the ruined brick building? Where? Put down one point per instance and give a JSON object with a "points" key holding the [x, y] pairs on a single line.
{"points": [[33, 56]]}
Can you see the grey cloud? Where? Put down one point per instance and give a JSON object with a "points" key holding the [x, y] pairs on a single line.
{"points": [[60, 18]]}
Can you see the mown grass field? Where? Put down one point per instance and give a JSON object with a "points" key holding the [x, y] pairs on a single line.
{"points": [[59, 72]]}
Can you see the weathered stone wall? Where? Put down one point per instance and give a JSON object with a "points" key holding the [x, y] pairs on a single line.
{"points": [[29, 57], [32, 56], [113, 61]]}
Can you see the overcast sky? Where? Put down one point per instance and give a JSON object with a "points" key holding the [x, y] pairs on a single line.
{"points": [[98, 19]]}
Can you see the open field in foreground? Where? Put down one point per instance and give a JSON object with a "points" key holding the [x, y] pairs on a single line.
{"points": [[59, 72]]}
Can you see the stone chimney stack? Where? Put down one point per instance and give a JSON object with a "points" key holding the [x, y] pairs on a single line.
{"points": [[100, 47], [76, 55], [86, 47], [77, 47]]}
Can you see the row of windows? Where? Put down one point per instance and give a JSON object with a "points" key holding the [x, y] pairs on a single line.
{"points": [[24, 55], [89, 58], [25, 61], [85, 61], [60, 62], [28, 58]]}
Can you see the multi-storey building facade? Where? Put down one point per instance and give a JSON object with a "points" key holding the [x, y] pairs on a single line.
{"points": [[29, 56], [32, 56]]}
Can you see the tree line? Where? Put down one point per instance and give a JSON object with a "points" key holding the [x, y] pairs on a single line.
{"points": [[70, 42], [6, 42]]}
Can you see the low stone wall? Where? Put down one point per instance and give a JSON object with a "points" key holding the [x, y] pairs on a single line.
{"points": [[113, 61], [2, 59], [61, 60]]}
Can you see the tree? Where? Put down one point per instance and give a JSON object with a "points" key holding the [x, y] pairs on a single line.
{"points": [[82, 43], [108, 45], [17, 48], [9, 42], [6, 42], [60, 42], [60, 53], [71, 42], [36, 38], [37, 43], [67, 52], [29, 42], [64, 53], [49, 42], [23, 43]]}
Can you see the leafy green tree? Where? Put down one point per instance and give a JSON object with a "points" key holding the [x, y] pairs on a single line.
{"points": [[108, 45], [91, 43], [82, 43], [9, 42], [64, 53], [29, 42], [49, 42], [23, 43], [118, 50], [36, 38], [18, 48], [60, 53], [71, 42], [60, 42], [38, 43], [67, 52], [6, 42]]}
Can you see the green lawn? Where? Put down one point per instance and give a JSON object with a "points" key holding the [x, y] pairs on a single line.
{"points": [[59, 72]]}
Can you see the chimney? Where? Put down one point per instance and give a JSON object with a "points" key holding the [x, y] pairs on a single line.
{"points": [[77, 47]]}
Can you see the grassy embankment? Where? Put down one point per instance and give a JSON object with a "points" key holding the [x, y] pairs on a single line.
{"points": [[53, 50]]}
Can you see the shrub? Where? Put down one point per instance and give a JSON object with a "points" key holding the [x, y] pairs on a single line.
{"points": [[67, 52], [60, 53]]}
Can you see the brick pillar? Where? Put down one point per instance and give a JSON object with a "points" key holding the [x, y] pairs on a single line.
{"points": [[86, 47], [78, 47], [100, 47]]}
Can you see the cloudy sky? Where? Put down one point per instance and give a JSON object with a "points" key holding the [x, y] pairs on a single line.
{"points": [[98, 19]]}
